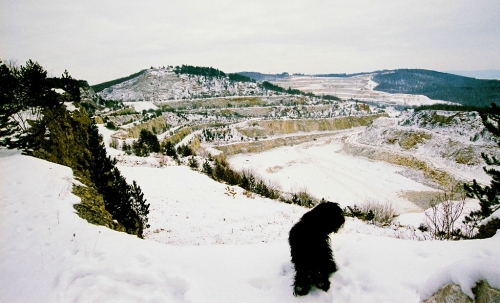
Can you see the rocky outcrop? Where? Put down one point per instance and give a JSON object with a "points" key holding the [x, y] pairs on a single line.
{"points": [[484, 293], [452, 293]]}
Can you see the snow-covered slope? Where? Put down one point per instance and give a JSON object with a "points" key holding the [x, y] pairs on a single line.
{"points": [[49, 254], [163, 84], [322, 169], [452, 141], [360, 87]]}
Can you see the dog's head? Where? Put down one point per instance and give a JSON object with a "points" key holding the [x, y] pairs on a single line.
{"points": [[329, 216]]}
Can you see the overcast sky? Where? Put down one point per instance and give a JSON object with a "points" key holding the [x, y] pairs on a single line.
{"points": [[101, 40]]}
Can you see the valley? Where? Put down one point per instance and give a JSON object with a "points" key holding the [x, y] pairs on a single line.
{"points": [[226, 168], [354, 161], [366, 146]]}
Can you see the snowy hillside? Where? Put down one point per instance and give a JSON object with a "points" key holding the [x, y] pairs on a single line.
{"points": [[453, 141], [360, 87], [163, 84], [49, 254]]}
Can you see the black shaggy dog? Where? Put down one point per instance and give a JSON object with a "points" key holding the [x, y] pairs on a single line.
{"points": [[310, 247]]}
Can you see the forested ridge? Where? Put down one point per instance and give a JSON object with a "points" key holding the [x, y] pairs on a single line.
{"points": [[439, 86]]}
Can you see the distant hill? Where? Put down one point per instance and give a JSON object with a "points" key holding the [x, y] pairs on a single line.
{"points": [[184, 82], [479, 74], [191, 82], [439, 86], [263, 77], [342, 75], [99, 87], [187, 82]]}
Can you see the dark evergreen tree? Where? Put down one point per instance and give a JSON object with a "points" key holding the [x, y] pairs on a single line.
{"points": [[198, 70], [8, 106], [146, 144], [170, 150], [488, 196], [193, 163], [69, 85], [111, 125], [126, 148], [28, 99], [207, 168], [34, 90], [139, 204], [184, 150], [240, 78], [124, 202], [150, 140], [140, 149]]}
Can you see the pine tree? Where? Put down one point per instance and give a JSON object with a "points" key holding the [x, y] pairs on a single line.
{"points": [[8, 85], [124, 202], [71, 86], [207, 168], [149, 140], [170, 150], [488, 196], [25, 98], [193, 163], [139, 204]]}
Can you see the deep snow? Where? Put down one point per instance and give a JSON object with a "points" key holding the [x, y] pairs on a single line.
{"points": [[49, 254], [321, 168]]}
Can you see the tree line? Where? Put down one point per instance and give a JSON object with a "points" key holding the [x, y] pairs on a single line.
{"points": [[440, 86], [199, 71]]}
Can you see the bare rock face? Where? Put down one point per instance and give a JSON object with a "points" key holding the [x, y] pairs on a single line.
{"points": [[484, 293], [452, 293]]}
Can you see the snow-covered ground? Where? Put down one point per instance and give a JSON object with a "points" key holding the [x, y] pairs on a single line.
{"points": [[49, 254], [140, 106], [326, 172], [359, 87]]}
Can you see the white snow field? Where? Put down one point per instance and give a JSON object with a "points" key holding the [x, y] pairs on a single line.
{"points": [[326, 172], [49, 254]]}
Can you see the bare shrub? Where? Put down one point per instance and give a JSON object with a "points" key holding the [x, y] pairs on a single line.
{"points": [[383, 213], [114, 143], [162, 160], [302, 197], [444, 213], [248, 194], [230, 191]]}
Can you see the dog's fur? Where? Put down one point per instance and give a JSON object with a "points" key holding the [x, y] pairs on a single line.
{"points": [[310, 247]]}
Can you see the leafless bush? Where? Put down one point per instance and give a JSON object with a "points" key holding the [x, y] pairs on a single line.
{"points": [[444, 213], [114, 143], [162, 160], [301, 197], [383, 213]]}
